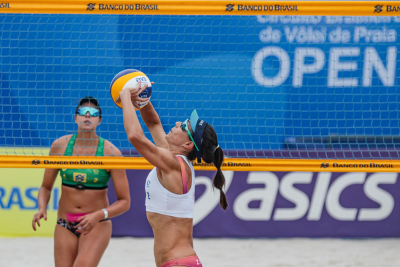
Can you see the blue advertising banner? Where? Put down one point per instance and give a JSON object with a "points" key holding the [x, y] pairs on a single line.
{"points": [[281, 204]]}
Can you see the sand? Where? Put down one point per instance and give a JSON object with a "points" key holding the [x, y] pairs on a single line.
{"points": [[127, 251]]}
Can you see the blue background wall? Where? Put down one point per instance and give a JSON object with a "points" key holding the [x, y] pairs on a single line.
{"points": [[48, 62]]}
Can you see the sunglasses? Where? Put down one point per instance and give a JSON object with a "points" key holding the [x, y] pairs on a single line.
{"points": [[185, 127], [93, 112]]}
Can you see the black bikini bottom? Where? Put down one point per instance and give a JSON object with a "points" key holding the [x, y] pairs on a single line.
{"points": [[71, 225]]}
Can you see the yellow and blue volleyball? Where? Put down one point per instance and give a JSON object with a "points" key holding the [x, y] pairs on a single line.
{"points": [[130, 78]]}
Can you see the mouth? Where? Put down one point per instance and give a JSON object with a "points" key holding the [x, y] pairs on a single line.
{"points": [[87, 122]]}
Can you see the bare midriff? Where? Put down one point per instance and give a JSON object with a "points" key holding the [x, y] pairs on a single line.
{"points": [[81, 201], [172, 237]]}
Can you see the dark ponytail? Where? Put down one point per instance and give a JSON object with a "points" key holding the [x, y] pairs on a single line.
{"points": [[212, 153]]}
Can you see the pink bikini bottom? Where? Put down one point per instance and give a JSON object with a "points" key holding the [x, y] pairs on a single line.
{"points": [[191, 261], [73, 217]]}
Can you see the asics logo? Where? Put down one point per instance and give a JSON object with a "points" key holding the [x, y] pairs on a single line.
{"points": [[323, 193]]}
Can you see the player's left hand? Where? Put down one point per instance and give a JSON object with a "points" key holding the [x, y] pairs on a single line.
{"points": [[88, 222], [134, 94]]}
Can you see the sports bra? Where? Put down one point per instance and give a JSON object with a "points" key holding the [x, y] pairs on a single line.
{"points": [[160, 200], [85, 178]]}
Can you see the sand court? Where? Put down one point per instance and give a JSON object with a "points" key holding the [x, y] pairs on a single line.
{"points": [[138, 252]]}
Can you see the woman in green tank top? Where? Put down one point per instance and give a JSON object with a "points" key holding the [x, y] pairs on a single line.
{"points": [[83, 228]]}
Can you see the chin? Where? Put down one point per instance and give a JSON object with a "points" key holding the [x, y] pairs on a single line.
{"points": [[87, 130]]}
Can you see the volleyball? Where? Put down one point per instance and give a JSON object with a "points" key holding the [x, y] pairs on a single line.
{"points": [[130, 78]]}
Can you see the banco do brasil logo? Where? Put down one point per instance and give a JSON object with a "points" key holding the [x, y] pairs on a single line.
{"points": [[378, 8], [229, 7], [91, 6], [324, 165], [35, 162]]}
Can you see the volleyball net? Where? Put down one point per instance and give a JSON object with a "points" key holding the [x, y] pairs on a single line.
{"points": [[286, 85]]}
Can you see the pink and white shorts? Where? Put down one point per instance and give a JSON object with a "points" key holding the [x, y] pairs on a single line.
{"points": [[191, 261]]}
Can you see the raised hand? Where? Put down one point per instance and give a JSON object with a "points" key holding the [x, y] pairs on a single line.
{"points": [[134, 94]]}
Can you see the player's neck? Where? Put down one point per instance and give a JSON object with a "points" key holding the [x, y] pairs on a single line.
{"points": [[87, 139], [177, 151]]}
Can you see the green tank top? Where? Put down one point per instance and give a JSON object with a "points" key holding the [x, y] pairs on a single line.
{"points": [[85, 178]]}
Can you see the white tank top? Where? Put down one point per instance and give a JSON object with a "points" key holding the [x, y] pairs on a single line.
{"points": [[160, 200]]}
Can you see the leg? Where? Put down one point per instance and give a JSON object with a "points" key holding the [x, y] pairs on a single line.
{"points": [[65, 247], [92, 246]]}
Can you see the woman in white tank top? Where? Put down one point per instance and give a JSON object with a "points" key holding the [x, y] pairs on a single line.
{"points": [[170, 185]]}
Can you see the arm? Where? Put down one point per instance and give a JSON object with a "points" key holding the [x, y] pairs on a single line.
{"points": [[50, 176], [160, 157], [121, 186], [153, 123]]}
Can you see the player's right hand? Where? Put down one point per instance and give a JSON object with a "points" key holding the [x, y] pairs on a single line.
{"points": [[36, 218]]}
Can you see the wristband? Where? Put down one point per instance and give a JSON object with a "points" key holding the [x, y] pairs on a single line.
{"points": [[105, 213]]}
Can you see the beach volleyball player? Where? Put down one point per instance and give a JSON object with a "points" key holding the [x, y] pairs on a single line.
{"points": [[83, 228], [170, 185]]}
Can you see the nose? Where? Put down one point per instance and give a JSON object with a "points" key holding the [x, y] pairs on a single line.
{"points": [[178, 124], [87, 115]]}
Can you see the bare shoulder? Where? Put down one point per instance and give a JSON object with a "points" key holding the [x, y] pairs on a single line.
{"points": [[110, 150], [63, 140], [59, 145]]}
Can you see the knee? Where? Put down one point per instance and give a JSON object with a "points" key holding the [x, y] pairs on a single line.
{"points": [[82, 262]]}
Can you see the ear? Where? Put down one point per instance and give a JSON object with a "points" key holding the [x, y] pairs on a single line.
{"points": [[75, 118], [188, 145], [100, 120]]}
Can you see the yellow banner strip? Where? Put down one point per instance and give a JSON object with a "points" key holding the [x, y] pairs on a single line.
{"points": [[165, 7], [232, 164]]}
